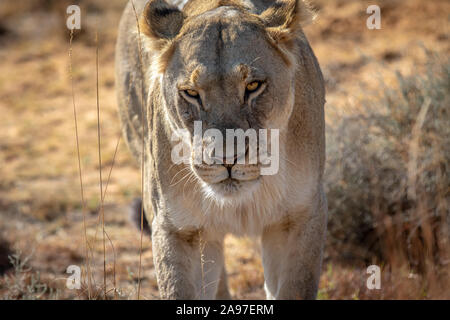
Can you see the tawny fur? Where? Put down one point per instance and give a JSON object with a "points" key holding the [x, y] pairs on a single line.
{"points": [[211, 42]]}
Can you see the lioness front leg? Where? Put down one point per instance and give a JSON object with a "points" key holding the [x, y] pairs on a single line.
{"points": [[188, 265], [292, 255]]}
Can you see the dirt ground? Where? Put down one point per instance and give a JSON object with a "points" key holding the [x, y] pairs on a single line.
{"points": [[40, 212]]}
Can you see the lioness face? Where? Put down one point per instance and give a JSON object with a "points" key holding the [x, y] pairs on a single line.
{"points": [[224, 69]]}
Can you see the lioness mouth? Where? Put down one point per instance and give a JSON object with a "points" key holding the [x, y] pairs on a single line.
{"points": [[229, 181], [230, 185]]}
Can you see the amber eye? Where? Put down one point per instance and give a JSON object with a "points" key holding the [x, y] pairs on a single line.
{"points": [[191, 93], [253, 86]]}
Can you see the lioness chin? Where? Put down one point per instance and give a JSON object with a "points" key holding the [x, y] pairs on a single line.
{"points": [[228, 64]]}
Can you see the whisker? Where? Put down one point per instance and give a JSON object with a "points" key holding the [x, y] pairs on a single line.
{"points": [[186, 175], [291, 162], [192, 176], [182, 170]]}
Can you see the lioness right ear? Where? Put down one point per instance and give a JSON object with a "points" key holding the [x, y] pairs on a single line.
{"points": [[161, 20], [284, 17]]}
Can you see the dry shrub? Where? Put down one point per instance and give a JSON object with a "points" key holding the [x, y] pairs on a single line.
{"points": [[387, 175], [24, 283]]}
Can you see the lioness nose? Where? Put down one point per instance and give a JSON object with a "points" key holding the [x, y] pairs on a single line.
{"points": [[228, 167], [227, 158]]}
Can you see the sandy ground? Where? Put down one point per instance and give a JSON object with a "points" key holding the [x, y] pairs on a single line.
{"points": [[40, 212]]}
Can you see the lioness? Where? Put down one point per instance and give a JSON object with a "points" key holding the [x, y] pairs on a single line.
{"points": [[229, 64]]}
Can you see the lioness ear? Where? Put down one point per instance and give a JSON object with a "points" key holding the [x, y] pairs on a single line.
{"points": [[161, 20], [284, 17]]}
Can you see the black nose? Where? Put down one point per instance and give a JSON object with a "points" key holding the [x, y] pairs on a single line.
{"points": [[228, 167]]}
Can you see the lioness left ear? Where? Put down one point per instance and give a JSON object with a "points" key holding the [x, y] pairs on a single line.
{"points": [[285, 17], [160, 20]]}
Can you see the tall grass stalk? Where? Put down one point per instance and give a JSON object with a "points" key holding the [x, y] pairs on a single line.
{"points": [[143, 149], [83, 203]]}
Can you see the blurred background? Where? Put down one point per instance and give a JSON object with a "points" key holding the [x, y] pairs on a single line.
{"points": [[388, 152]]}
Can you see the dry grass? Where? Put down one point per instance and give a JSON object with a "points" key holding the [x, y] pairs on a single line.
{"points": [[387, 179], [24, 283], [40, 206]]}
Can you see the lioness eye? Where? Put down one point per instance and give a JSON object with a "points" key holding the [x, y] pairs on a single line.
{"points": [[253, 86], [191, 93]]}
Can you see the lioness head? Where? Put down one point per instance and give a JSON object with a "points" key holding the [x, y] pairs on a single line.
{"points": [[230, 68]]}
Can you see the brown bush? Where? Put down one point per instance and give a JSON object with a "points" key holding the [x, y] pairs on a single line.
{"points": [[387, 175]]}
